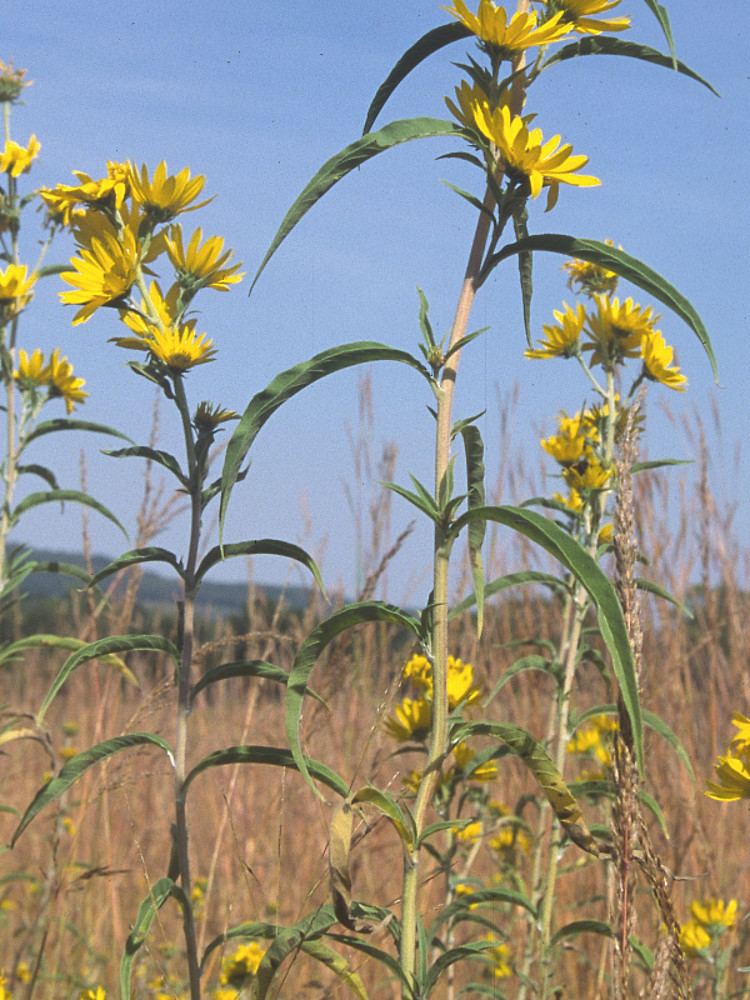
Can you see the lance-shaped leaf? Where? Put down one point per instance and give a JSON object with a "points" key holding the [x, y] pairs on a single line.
{"points": [[162, 458], [520, 666], [474, 450], [42, 472], [621, 263], [76, 766], [54, 566], [260, 547], [525, 268], [160, 893], [151, 553], [287, 384], [245, 668], [63, 496], [351, 157], [608, 46], [501, 583], [489, 897], [44, 640], [581, 927], [273, 756], [658, 591], [401, 818], [65, 424], [324, 633], [539, 762], [462, 953], [100, 648], [427, 45], [587, 571], [660, 13], [337, 964]]}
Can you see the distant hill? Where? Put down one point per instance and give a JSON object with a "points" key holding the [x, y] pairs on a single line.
{"points": [[155, 588]]}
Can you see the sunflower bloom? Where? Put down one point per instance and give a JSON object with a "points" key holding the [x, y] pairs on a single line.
{"points": [[500, 955], [411, 720], [165, 196], [242, 964], [589, 278], [694, 938], [202, 266], [526, 154], [491, 25], [573, 501], [208, 416], [63, 383], [589, 474], [617, 329], [581, 15], [714, 914], [657, 362], [741, 739], [733, 773], [16, 160], [32, 371], [180, 348], [162, 308], [572, 443], [105, 192], [16, 289], [561, 339], [103, 276]]}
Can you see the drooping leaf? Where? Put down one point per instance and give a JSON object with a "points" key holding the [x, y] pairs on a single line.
{"points": [[63, 496], [520, 666], [244, 668], [658, 463], [577, 927], [400, 817], [426, 46], [348, 159], [621, 263], [461, 953], [509, 580], [260, 547], [75, 767], [272, 756], [45, 640], [372, 951], [337, 964], [525, 269], [151, 553], [66, 424], [324, 633], [587, 571], [42, 472], [482, 897], [162, 458], [658, 591], [541, 765], [474, 450], [100, 648], [54, 566], [609, 46], [160, 893], [264, 404]]}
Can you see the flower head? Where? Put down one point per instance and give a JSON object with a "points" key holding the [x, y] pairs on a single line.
{"points": [[562, 338], [63, 383], [202, 266], [694, 938], [581, 15], [587, 475], [589, 278], [714, 914], [11, 82], [32, 371], [468, 834], [104, 274], [527, 155], [104, 192], [617, 329], [16, 160], [242, 964], [491, 25], [16, 290], [499, 955], [208, 416], [141, 319], [412, 720], [733, 773], [657, 362], [741, 739], [179, 347], [164, 196], [573, 441]]}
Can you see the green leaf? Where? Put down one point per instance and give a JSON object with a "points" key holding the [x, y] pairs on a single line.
{"points": [[459, 346], [45, 641], [243, 668], [482, 896], [260, 547], [621, 263], [608, 46], [643, 952], [539, 762], [424, 319], [401, 819], [510, 580], [577, 927], [150, 554], [426, 46], [42, 472], [101, 648], [653, 588], [285, 942], [64, 568], [75, 767], [324, 633], [587, 571], [160, 893], [463, 952], [525, 269], [363, 945], [272, 756], [264, 404], [520, 666], [337, 964], [348, 159], [474, 449], [61, 496], [162, 458], [658, 463], [426, 505], [64, 424], [660, 13]]}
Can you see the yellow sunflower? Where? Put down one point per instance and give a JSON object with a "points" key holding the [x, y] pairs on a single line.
{"points": [[32, 371], [589, 278], [582, 15], [16, 289], [411, 720], [164, 196], [521, 32], [617, 329], [526, 154], [63, 383], [657, 362], [104, 274], [162, 307], [202, 266], [16, 160], [561, 338], [733, 773], [180, 347], [714, 914]]}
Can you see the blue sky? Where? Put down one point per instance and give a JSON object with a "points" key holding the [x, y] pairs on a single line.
{"points": [[255, 97]]}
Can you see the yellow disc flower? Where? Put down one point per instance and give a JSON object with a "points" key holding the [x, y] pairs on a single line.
{"points": [[63, 383], [617, 329], [202, 266], [573, 501], [103, 276], [16, 160], [16, 289], [589, 474], [468, 834], [412, 720], [561, 338], [573, 441], [418, 670], [589, 278], [657, 362], [714, 914], [694, 938], [32, 371], [741, 739], [165, 196], [245, 962], [526, 154], [180, 348], [733, 773], [582, 15], [521, 32]]}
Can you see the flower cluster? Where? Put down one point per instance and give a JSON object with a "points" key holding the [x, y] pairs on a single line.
{"points": [[412, 719], [709, 919], [733, 768], [594, 740], [577, 448], [54, 374], [238, 969]]}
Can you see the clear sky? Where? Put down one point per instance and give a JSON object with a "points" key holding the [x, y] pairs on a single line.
{"points": [[256, 96]]}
